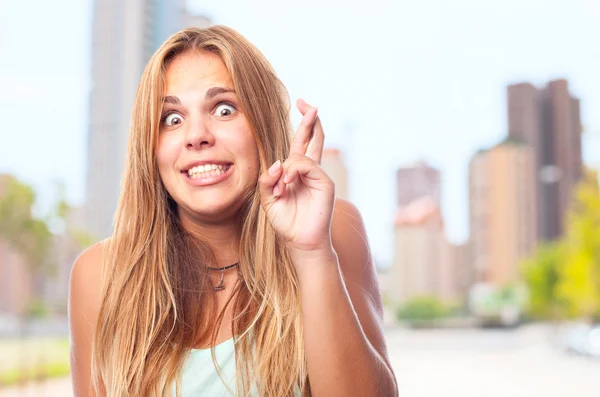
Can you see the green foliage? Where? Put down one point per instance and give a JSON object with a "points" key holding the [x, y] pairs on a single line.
{"points": [[62, 212], [541, 274], [509, 295], [82, 237], [47, 371], [564, 278], [422, 309], [25, 233], [25, 360], [62, 208], [31, 236], [37, 309], [579, 276]]}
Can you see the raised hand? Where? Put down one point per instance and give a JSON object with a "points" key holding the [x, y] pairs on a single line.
{"points": [[297, 195]]}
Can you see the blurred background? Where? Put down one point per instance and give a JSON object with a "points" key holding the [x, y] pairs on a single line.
{"points": [[466, 132]]}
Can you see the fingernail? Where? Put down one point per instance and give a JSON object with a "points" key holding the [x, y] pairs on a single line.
{"points": [[275, 167], [276, 190]]}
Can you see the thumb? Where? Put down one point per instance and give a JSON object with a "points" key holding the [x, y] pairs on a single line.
{"points": [[269, 181]]}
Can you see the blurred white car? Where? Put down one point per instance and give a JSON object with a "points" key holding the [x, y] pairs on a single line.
{"points": [[582, 339], [593, 346]]}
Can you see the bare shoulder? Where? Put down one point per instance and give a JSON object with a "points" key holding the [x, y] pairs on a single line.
{"points": [[91, 258], [87, 269], [85, 289], [349, 235], [85, 296], [349, 238]]}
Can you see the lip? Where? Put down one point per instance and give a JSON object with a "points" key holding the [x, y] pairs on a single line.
{"points": [[210, 180]]}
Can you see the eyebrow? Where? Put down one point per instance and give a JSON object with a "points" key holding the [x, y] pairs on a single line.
{"points": [[211, 93]]}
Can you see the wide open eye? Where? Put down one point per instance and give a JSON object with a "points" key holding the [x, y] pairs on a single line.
{"points": [[172, 119], [225, 109]]}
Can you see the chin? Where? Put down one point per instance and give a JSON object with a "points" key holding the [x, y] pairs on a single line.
{"points": [[215, 212]]}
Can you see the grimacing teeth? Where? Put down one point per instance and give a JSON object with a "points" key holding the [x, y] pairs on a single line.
{"points": [[206, 174], [199, 169]]}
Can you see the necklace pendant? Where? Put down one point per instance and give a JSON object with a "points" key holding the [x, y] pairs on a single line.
{"points": [[220, 286]]}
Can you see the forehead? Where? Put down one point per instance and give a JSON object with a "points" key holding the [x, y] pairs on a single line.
{"points": [[196, 70]]}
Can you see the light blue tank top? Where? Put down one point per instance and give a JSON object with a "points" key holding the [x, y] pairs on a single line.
{"points": [[200, 377]]}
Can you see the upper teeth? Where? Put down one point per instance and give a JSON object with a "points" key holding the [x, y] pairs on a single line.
{"points": [[205, 168]]}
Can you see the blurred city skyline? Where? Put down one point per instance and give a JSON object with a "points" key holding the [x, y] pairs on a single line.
{"points": [[444, 122], [394, 84]]}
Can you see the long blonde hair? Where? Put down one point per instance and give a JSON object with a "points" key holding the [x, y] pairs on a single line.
{"points": [[156, 303]]}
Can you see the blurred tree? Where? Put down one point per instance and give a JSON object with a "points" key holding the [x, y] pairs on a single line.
{"points": [[579, 276], [26, 234], [541, 274], [35, 239], [422, 310], [61, 219], [563, 277]]}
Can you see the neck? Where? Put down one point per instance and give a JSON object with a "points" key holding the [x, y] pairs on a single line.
{"points": [[221, 237]]}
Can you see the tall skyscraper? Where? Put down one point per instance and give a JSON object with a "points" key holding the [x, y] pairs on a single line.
{"points": [[502, 211], [457, 272], [124, 36], [420, 260], [548, 120], [416, 181], [420, 248], [332, 163]]}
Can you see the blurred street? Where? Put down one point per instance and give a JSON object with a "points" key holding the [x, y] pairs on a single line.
{"points": [[462, 363], [488, 363], [52, 388]]}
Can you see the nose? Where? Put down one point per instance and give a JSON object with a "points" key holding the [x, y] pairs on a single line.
{"points": [[198, 134]]}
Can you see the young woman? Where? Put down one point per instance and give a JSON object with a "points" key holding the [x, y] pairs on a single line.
{"points": [[232, 270]]}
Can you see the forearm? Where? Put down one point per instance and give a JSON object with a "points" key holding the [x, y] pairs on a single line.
{"points": [[341, 361]]}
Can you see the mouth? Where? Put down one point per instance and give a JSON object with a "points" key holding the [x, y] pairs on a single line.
{"points": [[206, 171]]}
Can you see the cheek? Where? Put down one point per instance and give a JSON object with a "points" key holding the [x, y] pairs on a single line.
{"points": [[166, 155], [252, 158], [244, 148]]}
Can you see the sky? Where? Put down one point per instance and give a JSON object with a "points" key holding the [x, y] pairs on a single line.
{"points": [[395, 82]]}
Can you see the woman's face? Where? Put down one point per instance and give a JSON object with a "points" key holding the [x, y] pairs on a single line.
{"points": [[207, 156]]}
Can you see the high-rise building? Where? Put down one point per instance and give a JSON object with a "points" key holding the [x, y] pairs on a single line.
{"points": [[124, 36], [455, 273], [502, 211], [548, 120], [332, 163], [422, 264], [419, 251], [416, 181]]}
